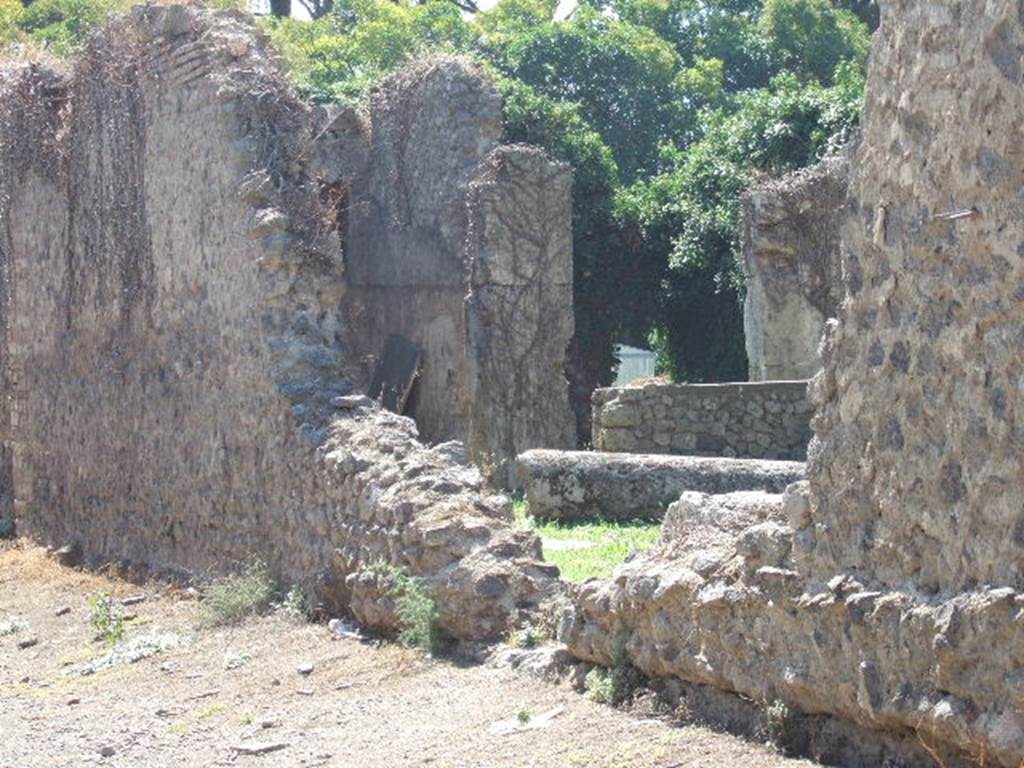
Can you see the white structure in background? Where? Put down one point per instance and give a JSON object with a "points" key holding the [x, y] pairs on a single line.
{"points": [[634, 363]]}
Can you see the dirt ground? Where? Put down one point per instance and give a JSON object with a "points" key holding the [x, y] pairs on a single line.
{"points": [[362, 705]]}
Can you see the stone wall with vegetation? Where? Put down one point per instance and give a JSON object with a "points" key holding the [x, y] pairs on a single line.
{"points": [[791, 265], [464, 247], [889, 590], [176, 352], [769, 420]]}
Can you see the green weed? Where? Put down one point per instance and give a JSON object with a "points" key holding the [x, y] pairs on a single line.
{"points": [[612, 685], [230, 599], [295, 603], [12, 625], [416, 608], [107, 618], [528, 636]]}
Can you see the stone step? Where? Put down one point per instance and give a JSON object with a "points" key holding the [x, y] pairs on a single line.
{"points": [[573, 485]]}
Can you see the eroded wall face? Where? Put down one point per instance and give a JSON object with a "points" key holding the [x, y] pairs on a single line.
{"points": [[917, 472], [174, 340], [519, 307], [147, 426], [791, 262], [430, 127], [464, 248]]}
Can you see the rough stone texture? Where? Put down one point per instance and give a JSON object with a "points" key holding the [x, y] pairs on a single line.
{"points": [[519, 310], [766, 420], [917, 472], [790, 237], [722, 601], [617, 486], [889, 591], [465, 248], [174, 343]]}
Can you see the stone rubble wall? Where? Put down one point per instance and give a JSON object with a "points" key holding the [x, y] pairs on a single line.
{"points": [[176, 347], [889, 589], [464, 247], [790, 232], [765, 420], [724, 600], [581, 485], [917, 471], [519, 309]]}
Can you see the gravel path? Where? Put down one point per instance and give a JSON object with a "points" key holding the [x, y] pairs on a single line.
{"points": [[360, 706]]}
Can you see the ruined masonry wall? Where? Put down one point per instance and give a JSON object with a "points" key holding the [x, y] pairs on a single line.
{"points": [[465, 248], [917, 470], [769, 420], [790, 231], [175, 344]]}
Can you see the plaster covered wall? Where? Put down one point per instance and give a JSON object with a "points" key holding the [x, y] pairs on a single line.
{"points": [[790, 238], [764, 420], [465, 248], [175, 344]]}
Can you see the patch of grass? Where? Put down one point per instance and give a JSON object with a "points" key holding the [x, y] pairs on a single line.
{"points": [[295, 603], [230, 599], [128, 652], [589, 549], [524, 715], [107, 618], [210, 711], [779, 721], [236, 660]]}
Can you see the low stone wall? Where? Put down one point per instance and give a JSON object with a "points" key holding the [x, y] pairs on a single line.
{"points": [[726, 600], [762, 420], [575, 485]]}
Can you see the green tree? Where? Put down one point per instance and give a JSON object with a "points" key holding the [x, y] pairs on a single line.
{"points": [[340, 56], [813, 37], [622, 76], [11, 12], [687, 218], [63, 25]]}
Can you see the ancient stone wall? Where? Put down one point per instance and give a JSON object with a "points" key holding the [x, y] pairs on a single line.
{"points": [[889, 591], [175, 341], [790, 237], [465, 248], [764, 420], [917, 473]]}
